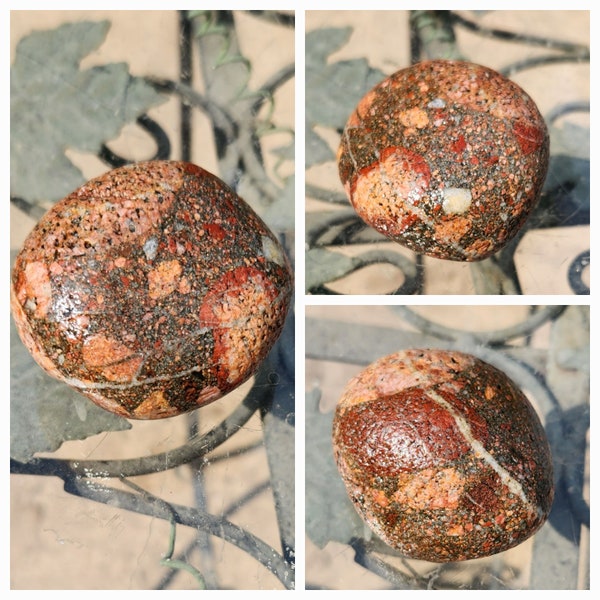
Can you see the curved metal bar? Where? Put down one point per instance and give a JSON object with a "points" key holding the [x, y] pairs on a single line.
{"points": [[155, 507], [365, 557], [271, 85], [319, 193], [225, 128], [348, 233], [576, 269], [412, 278], [530, 63], [498, 336], [31, 209], [163, 144], [261, 392], [512, 36], [326, 221], [565, 109], [413, 275]]}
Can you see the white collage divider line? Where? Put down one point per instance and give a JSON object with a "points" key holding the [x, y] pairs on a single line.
{"points": [[300, 236]]}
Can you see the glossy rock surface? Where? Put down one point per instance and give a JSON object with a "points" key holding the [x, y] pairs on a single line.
{"points": [[443, 456], [446, 158], [152, 289]]}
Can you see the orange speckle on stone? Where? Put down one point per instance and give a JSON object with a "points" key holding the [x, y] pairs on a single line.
{"points": [[414, 117], [155, 404], [35, 291], [364, 105], [452, 229], [480, 247], [379, 497], [164, 280], [431, 489], [55, 268], [184, 286], [454, 530], [490, 392], [115, 361]]}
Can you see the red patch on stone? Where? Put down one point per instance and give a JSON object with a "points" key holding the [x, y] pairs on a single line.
{"points": [[530, 138], [459, 145], [215, 231], [412, 166], [409, 220], [401, 433], [237, 308], [409, 161]]}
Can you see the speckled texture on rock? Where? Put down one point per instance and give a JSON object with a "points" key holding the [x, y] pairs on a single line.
{"points": [[152, 289], [447, 158], [442, 455]]}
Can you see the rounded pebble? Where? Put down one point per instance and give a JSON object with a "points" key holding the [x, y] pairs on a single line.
{"points": [[152, 289], [443, 456], [447, 158]]}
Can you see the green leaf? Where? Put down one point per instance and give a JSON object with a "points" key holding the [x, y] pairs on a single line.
{"points": [[323, 265], [45, 412], [286, 152], [56, 106], [330, 515], [332, 90], [280, 215], [317, 150], [570, 139]]}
